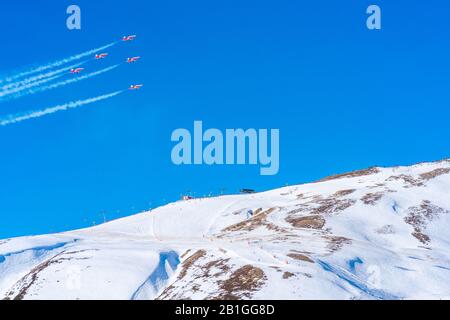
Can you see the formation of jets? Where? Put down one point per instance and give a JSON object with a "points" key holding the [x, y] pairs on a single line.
{"points": [[132, 60], [104, 55]]}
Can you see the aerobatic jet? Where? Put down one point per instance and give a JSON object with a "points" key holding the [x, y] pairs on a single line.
{"points": [[129, 38], [135, 86], [133, 59], [101, 56], [77, 70]]}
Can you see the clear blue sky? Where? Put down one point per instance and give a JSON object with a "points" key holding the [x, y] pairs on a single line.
{"points": [[342, 96]]}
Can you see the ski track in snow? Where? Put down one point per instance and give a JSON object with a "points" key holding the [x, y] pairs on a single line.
{"points": [[355, 282]]}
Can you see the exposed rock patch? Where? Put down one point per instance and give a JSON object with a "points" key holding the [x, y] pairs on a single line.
{"points": [[242, 283], [259, 219], [21, 288], [353, 174], [221, 264], [200, 269], [435, 173], [332, 205], [336, 243], [308, 222], [343, 193], [409, 181], [186, 264], [301, 257], [419, 217], [422, 178], [372, 198]]}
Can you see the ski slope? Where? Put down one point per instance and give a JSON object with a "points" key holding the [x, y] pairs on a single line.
{"points": [[379, 233]]}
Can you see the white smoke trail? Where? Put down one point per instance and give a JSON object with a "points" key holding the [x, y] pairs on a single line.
{"points": [[29, 80], [29, 91], [57, 63], [15, 118], [16, 90]]}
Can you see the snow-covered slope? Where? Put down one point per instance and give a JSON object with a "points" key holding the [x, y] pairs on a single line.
{"points": [[380, 233]]}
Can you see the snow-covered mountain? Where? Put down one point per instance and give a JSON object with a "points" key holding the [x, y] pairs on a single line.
{"points": [[379, 233]]}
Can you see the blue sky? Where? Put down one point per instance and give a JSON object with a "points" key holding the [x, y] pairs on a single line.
{"points": [[342, 96]]}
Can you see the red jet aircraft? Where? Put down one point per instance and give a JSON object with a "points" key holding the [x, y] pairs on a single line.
{"points": [[129, 38], [135, 86], [134, 59], [77, 70], [101, 56]]}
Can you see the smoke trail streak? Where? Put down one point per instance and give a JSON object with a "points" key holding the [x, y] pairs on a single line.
{"points": [[73, 80], [30, 91], [14, 91], [39, 77], [57, 63], [15, 118]]}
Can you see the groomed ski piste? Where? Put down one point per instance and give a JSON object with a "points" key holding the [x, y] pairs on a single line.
{"points": [[379, 233]]}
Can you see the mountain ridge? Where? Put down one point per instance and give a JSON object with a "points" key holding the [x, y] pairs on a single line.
{"points": [[376, 233]]}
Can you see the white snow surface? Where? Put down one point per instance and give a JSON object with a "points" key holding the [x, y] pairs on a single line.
{"points": [[380, 233]]}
